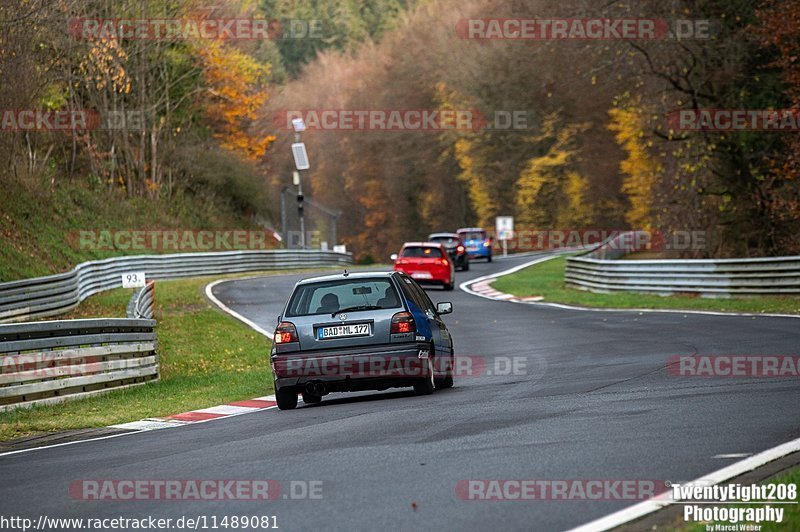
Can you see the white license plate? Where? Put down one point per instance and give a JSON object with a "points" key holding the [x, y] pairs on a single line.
{"points": [[422, 275], [472, 248], [343, 331]]}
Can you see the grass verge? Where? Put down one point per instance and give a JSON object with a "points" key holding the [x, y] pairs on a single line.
{"points": [[207, 358], [546, 279]]}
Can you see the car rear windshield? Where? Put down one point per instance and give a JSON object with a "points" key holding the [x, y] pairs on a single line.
{"points": [[448, 241], [473, 235], [421, 252], [331, 296]]}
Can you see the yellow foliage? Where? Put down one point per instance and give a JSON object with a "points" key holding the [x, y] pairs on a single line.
{"points": [[549, 189], [641, 168], [466, 151]]}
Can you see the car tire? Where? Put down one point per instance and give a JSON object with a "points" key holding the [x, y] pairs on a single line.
{"points": [[447, 381], [286, 399], [466, 267], [426, 385], [489, 258], [310, 399], [448, 286]]}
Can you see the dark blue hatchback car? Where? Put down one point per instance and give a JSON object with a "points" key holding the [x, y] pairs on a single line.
{"points": [[359, 331]]}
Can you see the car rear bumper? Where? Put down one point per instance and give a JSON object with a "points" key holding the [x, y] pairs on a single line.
{"points": [[438, 275], [363, 368], [480, 252]]}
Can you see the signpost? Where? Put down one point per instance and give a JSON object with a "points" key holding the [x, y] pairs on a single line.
{"points": [[504, 227], [301, 163], [133, 280]]}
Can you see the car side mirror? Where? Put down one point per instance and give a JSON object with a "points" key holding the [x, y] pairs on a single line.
{"points": [[444, 307], [393, 257], [279, 318]]}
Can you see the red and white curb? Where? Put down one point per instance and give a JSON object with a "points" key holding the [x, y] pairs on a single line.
{"points": [[484, 288], [236, 408]]}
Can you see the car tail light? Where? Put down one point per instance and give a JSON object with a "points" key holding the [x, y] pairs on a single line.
{"points": [[285, 333], [403, 322], [460, 249], [441, 262], [487, 243]]}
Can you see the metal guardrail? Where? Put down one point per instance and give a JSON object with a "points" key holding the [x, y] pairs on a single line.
{"points": [[56, 294], [598, 272], [49, 361], [141, 304]]}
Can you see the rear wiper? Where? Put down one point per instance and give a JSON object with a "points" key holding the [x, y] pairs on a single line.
{"points": [[359, 307]]}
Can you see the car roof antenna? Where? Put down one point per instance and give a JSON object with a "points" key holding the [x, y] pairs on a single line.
{"points": [[345, 272]]}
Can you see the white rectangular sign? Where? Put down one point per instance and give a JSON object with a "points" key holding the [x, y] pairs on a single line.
{"points": [[504, 226], [133, 280], [298, 125], [300, 156]]}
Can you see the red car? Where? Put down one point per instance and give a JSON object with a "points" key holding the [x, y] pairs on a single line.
{"points": [[426, 263]]}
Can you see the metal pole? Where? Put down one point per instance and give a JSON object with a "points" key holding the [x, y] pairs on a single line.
{"points": [[300, 213], [284, 234], [302, 219]]}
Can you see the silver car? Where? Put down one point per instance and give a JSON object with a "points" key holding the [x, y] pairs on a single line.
{"points": [[359, 331]]}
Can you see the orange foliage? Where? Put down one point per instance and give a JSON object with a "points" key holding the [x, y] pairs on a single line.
{"points": [[236, 93]]}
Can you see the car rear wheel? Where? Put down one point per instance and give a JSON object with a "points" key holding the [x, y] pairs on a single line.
{"points": [[447, 380], [466, 267], [489, 258], [426, 385], [287, 400], [311, 399]]}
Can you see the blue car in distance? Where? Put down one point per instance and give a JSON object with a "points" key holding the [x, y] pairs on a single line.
{"points": [[477, 241], [359, 331]]}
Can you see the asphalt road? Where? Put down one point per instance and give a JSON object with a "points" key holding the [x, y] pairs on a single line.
{"points": [[591, 400]]}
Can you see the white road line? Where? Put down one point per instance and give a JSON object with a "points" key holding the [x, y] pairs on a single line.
{"points": [[20, 451], [253, 325], [732, 455], [726, 473]]}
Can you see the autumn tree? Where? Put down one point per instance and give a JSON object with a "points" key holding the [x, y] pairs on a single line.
{"points": [[551, 193], [235, 93], [641, 168]]}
